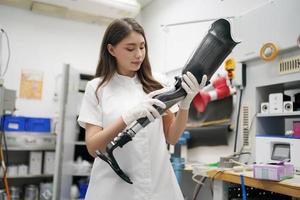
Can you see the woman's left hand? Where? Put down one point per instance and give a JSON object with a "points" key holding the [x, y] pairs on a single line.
{"points": [[192, 87]]}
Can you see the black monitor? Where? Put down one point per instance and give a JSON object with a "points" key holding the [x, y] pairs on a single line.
{"points": [[281, 152]]}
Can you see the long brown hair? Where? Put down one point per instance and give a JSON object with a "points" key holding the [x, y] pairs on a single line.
{"points": [[107, 65]]}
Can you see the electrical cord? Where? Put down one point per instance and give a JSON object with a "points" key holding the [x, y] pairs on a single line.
{"points": [[241, 153], [1, 33], [2, 133], [5, 148], [251, 123], [1, 159], [8, 50], [244, 194], [198, 186], [3, 164], [213, 179], [237, 120]]}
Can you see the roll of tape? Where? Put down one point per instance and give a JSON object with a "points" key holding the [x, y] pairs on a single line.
{"points": [[269, 51]]}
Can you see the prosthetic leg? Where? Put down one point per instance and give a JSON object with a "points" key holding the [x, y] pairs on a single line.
{"points": [[212, 51]]}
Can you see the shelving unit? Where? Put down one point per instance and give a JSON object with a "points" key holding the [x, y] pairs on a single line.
{"points": [[272, 128], [80, 150], [19, 147], [30, 141], [275, 123], [69, 145], [31, 176], [79, 143]]}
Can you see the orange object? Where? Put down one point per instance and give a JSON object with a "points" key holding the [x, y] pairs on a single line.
{"points": [[269, 56], [229, 67], [6, 186]]}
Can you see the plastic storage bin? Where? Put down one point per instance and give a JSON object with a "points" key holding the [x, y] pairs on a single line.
{"points": [[82, 189], [38, 124], [14, 123]]}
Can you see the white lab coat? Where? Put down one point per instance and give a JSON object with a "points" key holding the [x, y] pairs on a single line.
{"points": [[145, 159]]}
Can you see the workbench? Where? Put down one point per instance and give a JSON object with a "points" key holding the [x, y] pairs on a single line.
{"points": [[290, 187]]}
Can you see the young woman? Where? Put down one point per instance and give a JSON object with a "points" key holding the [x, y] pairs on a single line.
{"points": [[120, 94]]}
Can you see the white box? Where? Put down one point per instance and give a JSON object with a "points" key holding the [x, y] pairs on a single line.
{"points": [[276, 102], [22, 170], [49, 159], [35, 162]]}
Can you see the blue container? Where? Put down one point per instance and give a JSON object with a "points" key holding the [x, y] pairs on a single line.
{"points": [[186, 135], [178, 166], [82, 190], [38, 124], [14, 123], [184, 138]]}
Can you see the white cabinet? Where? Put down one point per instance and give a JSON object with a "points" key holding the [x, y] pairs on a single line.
{"points": [[269, 123], [275, 139]]}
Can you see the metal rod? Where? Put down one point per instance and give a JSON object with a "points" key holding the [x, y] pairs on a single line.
{"points": [[195, 21], [213, 19]]}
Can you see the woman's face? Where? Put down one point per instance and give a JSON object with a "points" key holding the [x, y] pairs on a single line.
{"points": [[129, 53]]}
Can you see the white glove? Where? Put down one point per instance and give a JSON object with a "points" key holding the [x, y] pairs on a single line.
{"points": [[192, 87], [160, 91], [144, 109]]}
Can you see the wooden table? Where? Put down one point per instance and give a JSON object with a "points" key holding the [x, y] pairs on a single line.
{"points": [[290, 187]]}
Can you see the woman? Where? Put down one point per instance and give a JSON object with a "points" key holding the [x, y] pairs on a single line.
{"points": [[120, 94]]}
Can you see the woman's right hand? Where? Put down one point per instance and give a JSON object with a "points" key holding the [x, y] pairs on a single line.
{"points": [[143, 109]]}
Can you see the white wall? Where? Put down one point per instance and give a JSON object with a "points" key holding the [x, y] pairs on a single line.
{"points": [[162, 12], [44, 43]]}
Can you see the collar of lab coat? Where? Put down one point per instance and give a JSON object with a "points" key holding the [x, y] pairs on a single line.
{"points": [[124, 79]]}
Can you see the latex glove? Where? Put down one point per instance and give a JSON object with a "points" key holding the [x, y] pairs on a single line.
{"points": [[143, 109], [160, 91], [192, 87]]}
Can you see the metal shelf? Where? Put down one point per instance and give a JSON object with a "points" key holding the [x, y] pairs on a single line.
{"points": [[10, 148], [80, 174], [37, 134], [80, 143], [295, 113], [31, 176], [29, 141]]}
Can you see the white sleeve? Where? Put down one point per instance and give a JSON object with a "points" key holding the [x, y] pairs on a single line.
{"points": [[91, 110]]}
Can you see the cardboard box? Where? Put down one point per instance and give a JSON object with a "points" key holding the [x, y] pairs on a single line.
{"points": [[35, 162], [275, 172]]}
